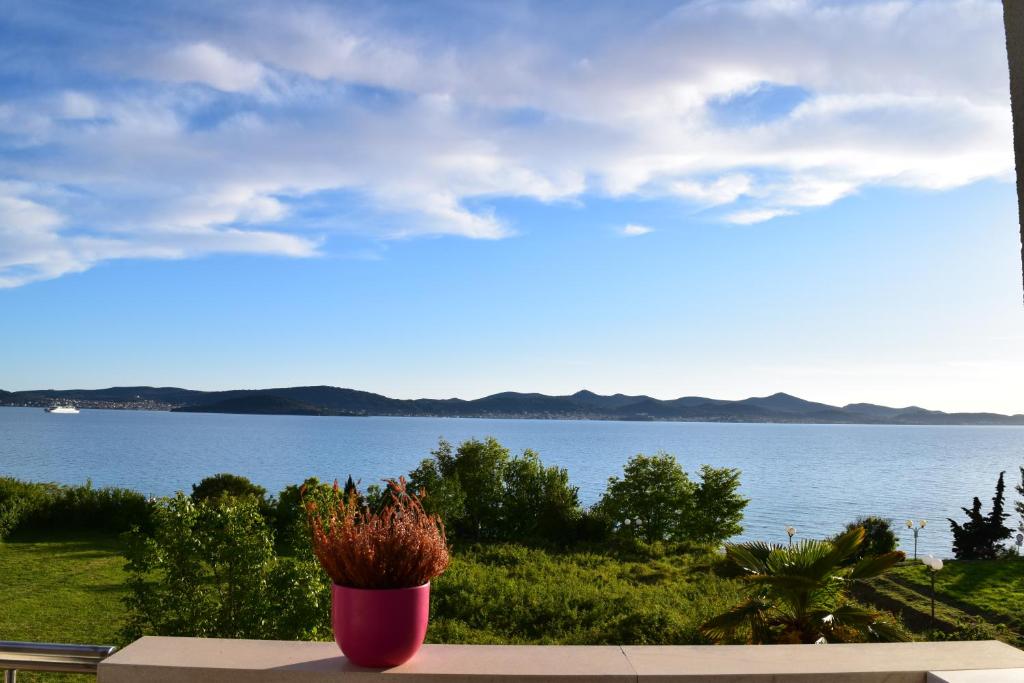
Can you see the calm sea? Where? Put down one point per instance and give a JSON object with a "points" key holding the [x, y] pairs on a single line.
{"points": [[814, 477]]}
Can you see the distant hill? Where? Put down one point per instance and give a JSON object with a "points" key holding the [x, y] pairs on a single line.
{"points": [[257, 404], [328, 400]]}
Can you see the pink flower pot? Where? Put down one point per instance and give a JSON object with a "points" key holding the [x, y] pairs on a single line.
{"points": [[380, 627]]}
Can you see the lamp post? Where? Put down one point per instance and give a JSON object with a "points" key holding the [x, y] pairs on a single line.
{"points": [[791, 532], [916, 529], [934, 564]]}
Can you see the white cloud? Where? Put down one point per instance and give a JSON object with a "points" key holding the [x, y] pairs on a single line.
{"points": [[37, 244], [756, 216], [634, 230], [78, 105], [724, 190], [427, 125], [211, 65]]}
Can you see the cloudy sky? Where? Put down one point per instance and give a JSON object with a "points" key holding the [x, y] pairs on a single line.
{"points": [[725, 198]]}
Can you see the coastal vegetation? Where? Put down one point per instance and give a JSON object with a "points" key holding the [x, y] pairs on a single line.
{"points": [[529, 563], [801, 593], [32, 506]]}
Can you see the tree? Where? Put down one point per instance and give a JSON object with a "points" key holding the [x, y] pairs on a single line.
{"points": [[655, 500], [879, 537], [717, 508], [443, 495], [981, 536], [482, 492], [997, 529], [479, 467], [800, 594], [969, 538], [1019, 506], [539, 502], [651, 500]]}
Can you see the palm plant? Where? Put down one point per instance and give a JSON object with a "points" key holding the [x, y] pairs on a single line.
{"points": [[799, 594]]}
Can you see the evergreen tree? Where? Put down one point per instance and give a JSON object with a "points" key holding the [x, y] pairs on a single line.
{"points": [[1020, 503], [981, 536], [967, 537], [997, 529]]}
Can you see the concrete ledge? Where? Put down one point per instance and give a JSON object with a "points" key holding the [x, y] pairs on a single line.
{"points": [[853, 663], [977, 676], [169, 660], [198, 660]]}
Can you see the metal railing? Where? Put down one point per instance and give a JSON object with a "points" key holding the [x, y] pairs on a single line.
{"points": [[52, 657]]}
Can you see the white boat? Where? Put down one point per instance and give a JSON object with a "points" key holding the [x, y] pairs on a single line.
{"points": [[62, 409]]}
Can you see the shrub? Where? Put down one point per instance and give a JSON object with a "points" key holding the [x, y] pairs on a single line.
{"points": [[26, 507], [208, 569], [593, 526], [655, 500], [878, 537], [401, 546], [975, 628], [226, 485], [21, 500]]}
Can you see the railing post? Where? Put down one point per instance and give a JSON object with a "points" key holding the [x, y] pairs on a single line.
{"points": [[11, 676]]}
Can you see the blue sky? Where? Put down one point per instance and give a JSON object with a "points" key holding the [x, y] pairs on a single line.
{"points": [[450, 199]]}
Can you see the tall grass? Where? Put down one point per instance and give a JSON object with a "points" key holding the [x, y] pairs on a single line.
{"points": [[515, 594]]}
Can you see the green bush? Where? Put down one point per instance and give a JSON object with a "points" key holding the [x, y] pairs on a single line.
{"points": [[226, 484], [879, 538], [482, 492], [209, 570], [974, 628], [29, 507], [20, 500], [655, 500]]}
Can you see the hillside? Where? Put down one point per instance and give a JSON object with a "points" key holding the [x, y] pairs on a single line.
{"points": [[328, 400], [259, 404]]}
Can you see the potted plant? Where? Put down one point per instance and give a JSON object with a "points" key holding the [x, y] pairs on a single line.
{"points": [[381, 563]]}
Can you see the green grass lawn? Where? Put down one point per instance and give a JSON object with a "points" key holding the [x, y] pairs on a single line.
{"points": [[61, 589], [990, 591]]}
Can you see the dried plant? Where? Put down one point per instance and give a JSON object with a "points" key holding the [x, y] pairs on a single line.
{"points": [[400, 546]]}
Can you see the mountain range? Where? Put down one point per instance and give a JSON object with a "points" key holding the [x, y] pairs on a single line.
{"points": [[327, 400]]}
